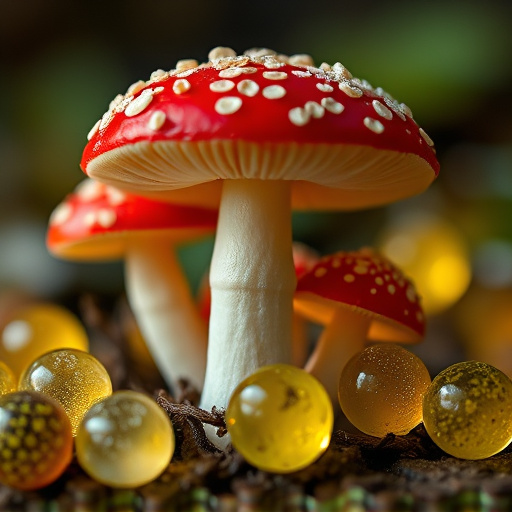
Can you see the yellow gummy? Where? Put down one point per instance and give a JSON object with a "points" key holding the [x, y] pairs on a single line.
{"points": [[74, 378], [126, 440], [280, 418], [467, 411], [33, 458], [7, 379], [36, 329], [381, 390]]}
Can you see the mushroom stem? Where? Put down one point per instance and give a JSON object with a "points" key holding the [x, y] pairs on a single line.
{"points": [[252, 281], [166, 313], [343, 337]]}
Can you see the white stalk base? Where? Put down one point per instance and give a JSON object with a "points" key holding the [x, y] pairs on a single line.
{"points": [[166, 313], [252, 281]]}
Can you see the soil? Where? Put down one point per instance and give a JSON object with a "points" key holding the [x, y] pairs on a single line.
{"points": [[356, 473]]}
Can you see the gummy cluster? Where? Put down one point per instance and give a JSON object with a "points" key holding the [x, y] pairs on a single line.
{"points": [[64, 401]]}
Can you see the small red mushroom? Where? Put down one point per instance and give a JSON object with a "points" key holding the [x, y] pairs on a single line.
{"points": [[357, 296], [101, 223], [259, 134]]}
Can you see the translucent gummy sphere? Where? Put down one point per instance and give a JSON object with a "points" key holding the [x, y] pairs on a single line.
{"points": [[467, 410], [126, 440], [434, 253], [74, 378], [280, 418], [36, 329], [36, 444], [7, 379], [381, 390]]}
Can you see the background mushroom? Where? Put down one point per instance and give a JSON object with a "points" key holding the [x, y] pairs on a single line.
{"points": [[101, 223], [357, 296], [260, 134]]}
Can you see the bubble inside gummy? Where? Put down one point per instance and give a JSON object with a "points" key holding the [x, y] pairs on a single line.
{"points": [[36, 444], [381, 390], [280, 418], [126, 440], [37, 329], [74, 378], [467, 410]]}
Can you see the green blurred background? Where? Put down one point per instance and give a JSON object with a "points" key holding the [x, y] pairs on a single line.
{"points": [[450, 62]]}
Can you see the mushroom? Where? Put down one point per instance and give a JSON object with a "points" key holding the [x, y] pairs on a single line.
{"points": [[259, 134], [101, 223], [357, 296], [304, 258]]}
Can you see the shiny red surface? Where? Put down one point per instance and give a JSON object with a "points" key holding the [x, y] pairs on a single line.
{"points": [[328, 280], [133, 214], [191, 116]]}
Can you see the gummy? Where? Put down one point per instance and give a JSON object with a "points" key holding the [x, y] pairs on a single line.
{"points": [[74, 378], [280, 418], [36, 329], [126, 440], [433, 252], [381, 390], [36, 444], [7, 379], [467, 411]]}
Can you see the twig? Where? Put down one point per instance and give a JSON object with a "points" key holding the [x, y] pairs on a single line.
{"points": [[188, 424], [415, 444]]}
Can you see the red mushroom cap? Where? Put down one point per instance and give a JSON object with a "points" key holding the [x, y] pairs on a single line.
{"points": [[345, 143], [368, 283], [95, 221]]}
